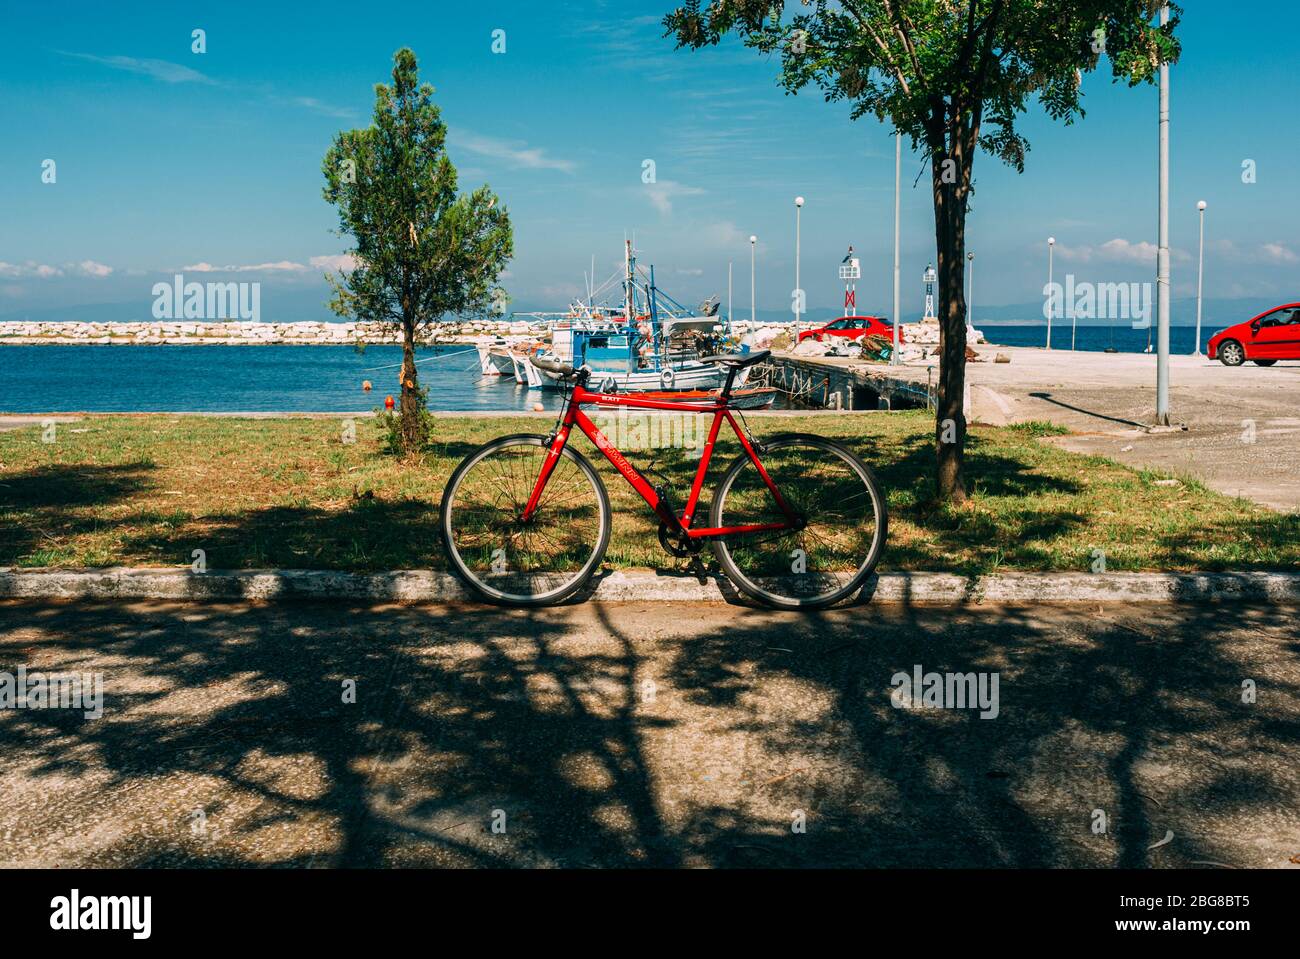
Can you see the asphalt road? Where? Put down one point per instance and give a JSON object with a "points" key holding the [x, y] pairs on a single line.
{"points": [[652, 735]]}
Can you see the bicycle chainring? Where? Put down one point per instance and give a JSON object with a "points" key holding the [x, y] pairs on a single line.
{"points": [[678, 545]]}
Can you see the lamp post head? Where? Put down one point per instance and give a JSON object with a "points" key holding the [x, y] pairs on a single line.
{"points": [[753, 240], [1201, 206], [970, 256], [1051, 241], [798, 201]]}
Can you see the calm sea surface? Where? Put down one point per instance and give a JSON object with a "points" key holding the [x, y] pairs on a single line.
{"points": [[120, 379], [1121, 336]]}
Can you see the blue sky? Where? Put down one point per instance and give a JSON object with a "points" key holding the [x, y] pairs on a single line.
{"points": [[168, 159]]}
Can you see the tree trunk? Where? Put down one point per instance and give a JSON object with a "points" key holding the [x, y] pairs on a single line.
{"points": [[950, 237], [414, 432]]}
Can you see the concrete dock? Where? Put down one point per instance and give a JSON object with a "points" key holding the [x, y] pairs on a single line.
{"points": [[1242, 433]]}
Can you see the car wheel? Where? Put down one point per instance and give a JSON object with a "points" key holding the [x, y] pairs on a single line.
{"points": [[1231, 353], [1263, 362]]}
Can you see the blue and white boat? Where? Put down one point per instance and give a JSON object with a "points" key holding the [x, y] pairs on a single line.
{"points": [[651, 343]]}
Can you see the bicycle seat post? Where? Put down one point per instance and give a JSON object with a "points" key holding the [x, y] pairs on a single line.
{"points": [[731, 378]]}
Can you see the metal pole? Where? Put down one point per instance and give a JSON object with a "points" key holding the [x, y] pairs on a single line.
{"points": [[1200, 276], [798, 290], [1074, 328], [728, 291], [752, 302], [898, 171], [1162, 267], [1051, 245], [970, 289]]}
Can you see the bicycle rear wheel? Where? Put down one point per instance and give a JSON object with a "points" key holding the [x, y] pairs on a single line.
{"points": [[505, 559], [844, 522]]}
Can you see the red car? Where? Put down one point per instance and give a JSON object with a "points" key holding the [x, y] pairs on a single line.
{"points": [[1269, 337], [853, 327]]}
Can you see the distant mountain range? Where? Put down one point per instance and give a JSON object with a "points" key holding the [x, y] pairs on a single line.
{"points": [[283, 306]]}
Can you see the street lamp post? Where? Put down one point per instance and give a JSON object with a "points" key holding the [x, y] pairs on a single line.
{"points": [[898, 171], [1162, 262], [1200, 276], [1051, 306], [752, 302], [798, 290], [970, 289], [729, 316]]}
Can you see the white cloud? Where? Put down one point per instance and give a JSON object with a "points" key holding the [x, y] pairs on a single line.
{"points": [[1117, 250], [163, 70], [1278, 253], [91, 268], [338, 261], [1126, 252], [325, 109], [29, 268], [663, 193], [532, 158], [335, 261], [281, 266]]}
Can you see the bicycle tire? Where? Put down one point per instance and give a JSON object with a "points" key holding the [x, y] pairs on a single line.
{"points": [[486, 590], [722, 549]]}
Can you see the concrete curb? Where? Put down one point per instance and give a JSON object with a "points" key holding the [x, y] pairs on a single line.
{"points": [[432, 587]]}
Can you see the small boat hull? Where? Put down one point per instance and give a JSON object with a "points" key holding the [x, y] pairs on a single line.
{"points": [[494, 360]]}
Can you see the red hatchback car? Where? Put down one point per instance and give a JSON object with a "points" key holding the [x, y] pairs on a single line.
{"points": [[853, 327], [1269, 337]]}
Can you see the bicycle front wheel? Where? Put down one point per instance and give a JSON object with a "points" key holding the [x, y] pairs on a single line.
{"points": [[839, 536], [506, 559]]}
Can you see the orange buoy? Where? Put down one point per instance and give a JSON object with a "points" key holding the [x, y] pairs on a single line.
{"points": [[388, 403], [365, 386], [538, 408]]}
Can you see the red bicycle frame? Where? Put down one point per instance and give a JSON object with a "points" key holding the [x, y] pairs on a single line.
{"points": [[574, 416]]}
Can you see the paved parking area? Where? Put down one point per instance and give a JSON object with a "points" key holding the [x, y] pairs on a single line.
{"points": [[651, 735], [1243, 424]]}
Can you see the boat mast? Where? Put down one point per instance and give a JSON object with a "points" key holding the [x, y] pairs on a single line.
{"points": [[660, 347], [628, 261]]}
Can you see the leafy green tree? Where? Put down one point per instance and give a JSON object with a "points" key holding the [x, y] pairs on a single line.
{"points": [[954, 76], [422, 251]]}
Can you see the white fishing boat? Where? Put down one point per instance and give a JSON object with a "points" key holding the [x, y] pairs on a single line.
{"points": [[505, 357], [651, 343], [493, 358]]}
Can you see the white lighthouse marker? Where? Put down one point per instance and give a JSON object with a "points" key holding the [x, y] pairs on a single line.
{"points": [[850, 270]]}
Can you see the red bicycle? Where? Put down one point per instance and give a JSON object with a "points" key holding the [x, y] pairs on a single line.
{"points": [[797, 521]]}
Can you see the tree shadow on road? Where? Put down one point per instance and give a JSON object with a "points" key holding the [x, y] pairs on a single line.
{"points": [[567, 737]]}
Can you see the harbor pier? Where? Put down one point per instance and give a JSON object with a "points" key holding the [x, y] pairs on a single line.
{"points": [[1235, 428], [844, 383]]}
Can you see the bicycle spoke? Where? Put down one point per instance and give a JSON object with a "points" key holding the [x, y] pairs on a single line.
{"points": [[825, 556], [519, 560]]}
